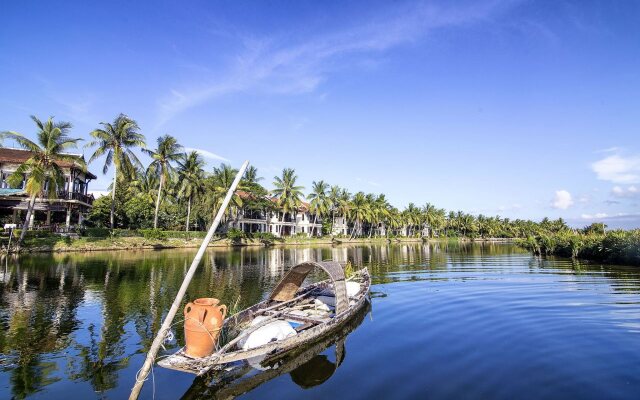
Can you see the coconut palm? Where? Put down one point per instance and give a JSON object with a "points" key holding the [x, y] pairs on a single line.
{"points": [[168, 152], [333, 197], [381, 211], [359, 212], [116, 140], [287, 192], [318, 201], [144, 185], [42, 170], [251, 175], [219, 184], [191, 174]]}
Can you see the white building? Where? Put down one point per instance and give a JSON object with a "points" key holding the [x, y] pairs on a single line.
{"points": [[340, 226], [276, 222], [72, 203]]}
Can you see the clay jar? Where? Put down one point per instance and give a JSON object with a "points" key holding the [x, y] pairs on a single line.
{"points": [[203, 319]]}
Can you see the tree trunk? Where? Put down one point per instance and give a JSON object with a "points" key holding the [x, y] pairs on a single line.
{"points": [[113, 196], [155, 218], [315, 218], [333, 221], [188, 213], [25, 226]]}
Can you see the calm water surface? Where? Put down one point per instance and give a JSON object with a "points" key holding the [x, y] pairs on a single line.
{"points": [[446, 321]]}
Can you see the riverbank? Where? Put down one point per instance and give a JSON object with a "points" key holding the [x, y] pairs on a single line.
{"points": [[61, 244], [614, 247]]}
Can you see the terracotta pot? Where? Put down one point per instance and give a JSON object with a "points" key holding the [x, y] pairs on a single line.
{"points": [[203, 319]]}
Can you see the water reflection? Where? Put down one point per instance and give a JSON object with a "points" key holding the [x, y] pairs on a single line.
{"points": [[308, 366], [69, 319]]}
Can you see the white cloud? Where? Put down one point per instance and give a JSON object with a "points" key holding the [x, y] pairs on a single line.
{"points": [[562, 200], [268, 65], [594, 216], [618, 169], [206, 154], [629, 191]]}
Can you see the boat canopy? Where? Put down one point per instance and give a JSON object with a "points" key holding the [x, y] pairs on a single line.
{"points": [[292, 281]]}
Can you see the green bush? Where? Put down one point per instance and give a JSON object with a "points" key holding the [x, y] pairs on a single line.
{"points": [[235, 235], [265, 237], [96, 232], [123, 233], [154, 234], [618, 246]]}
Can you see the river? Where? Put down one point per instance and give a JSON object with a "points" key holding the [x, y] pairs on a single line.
{"points": [[445, 321]]}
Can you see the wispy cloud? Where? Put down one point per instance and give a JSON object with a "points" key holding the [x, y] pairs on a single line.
{"points": [[207, 154], [629, 191], [369, 182], [76, 107], [270, 66], [618, 169], [594, 216]]}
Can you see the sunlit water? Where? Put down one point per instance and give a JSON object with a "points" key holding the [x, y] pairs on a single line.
{"points": [[473, 321]]}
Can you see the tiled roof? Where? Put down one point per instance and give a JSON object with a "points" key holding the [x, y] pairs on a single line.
{"points": [[19, 156]]}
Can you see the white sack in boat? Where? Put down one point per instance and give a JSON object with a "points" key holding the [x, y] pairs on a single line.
{"points": [[328, 296], [274, 331]]}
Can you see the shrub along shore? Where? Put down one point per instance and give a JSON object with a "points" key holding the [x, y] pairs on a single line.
{"points": [[615, 247]]}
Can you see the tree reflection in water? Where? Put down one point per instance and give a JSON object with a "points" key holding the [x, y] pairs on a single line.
{"points": [[308, 366], [80, 318]]}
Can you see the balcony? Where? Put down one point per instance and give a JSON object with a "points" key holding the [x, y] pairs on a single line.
{"points": [[76, 196]]}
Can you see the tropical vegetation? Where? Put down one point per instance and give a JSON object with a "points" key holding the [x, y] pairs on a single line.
{"points": [[41, 173], [176, 192]]}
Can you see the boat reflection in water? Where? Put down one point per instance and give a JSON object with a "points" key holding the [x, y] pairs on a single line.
{"points": [[307, 366]]}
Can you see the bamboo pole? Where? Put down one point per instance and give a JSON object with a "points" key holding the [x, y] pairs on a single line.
{"points": [[157, 342]]}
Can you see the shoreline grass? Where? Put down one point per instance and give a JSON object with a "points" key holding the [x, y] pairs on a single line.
{"points": [[614, 247], [57, 243]]}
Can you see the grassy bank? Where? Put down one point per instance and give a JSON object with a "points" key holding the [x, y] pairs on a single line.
{"points": [[103, 239], [165, 240], [615, 247]]}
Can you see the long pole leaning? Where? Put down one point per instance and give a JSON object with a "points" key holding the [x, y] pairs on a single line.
{"points": [[157, 342]]}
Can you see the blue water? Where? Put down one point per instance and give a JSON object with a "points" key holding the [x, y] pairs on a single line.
{"points": [[446, 321]]}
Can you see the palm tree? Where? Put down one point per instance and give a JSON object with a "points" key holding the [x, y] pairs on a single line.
{"points": [[116, 140], [333, 198], [191, 173], [144, 185], [168, 152], [381, 211], [287, 192], [251, 175], [359, 211], [319, 202], [42, 172], [219, 184]]}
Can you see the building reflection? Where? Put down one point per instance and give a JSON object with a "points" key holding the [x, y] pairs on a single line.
{"points": [[81, 317]]}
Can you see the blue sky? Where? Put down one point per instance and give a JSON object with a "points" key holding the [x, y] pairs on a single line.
{"points": [[519, 108]]}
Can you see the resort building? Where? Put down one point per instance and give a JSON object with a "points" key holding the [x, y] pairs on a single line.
{"points": [[340, 226], [276, 222], [69, 208]]}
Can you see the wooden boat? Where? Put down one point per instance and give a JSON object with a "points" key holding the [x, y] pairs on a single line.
{"points": [[287, 302], [306, 364]]}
